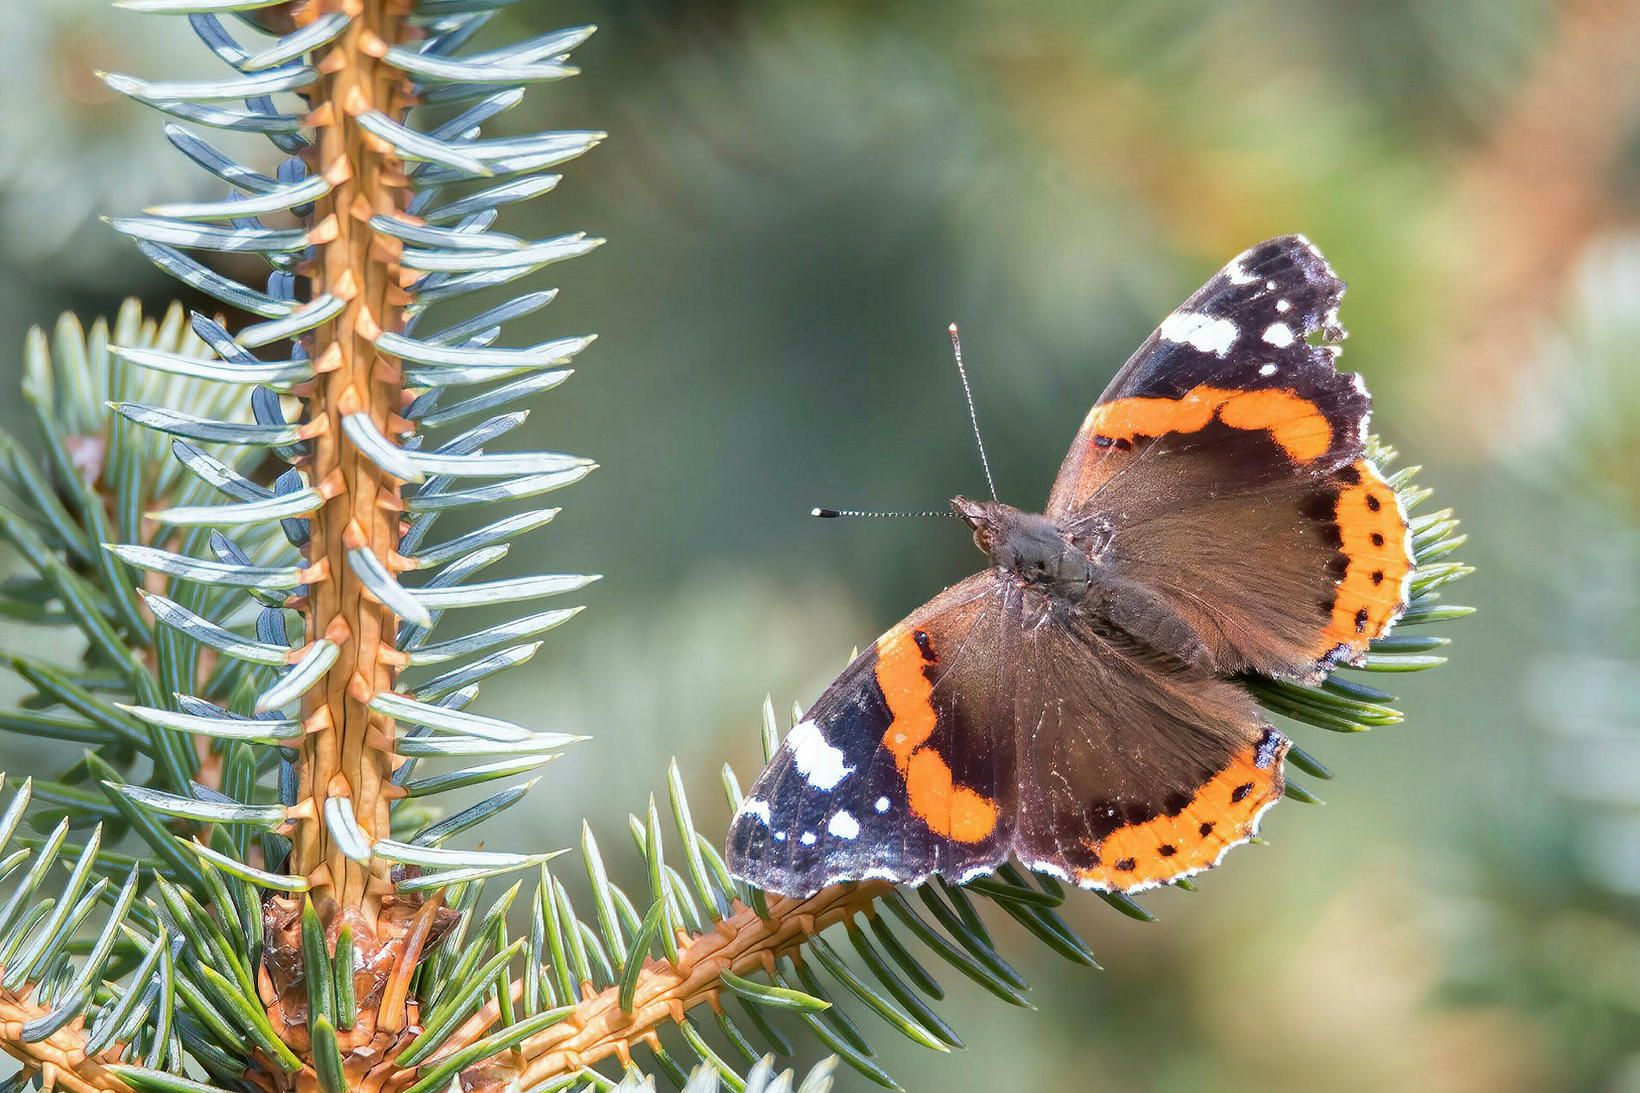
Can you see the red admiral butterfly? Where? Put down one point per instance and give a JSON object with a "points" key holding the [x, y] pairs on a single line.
{"points": [[1077, 704]]}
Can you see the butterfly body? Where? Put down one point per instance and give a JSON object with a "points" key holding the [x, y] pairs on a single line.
{"points": [[1034, 549], [1069, 568], [1078, 704]]}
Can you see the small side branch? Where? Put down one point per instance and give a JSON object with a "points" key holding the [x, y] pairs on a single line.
{"points": [[59, 1058], [742, 943]]}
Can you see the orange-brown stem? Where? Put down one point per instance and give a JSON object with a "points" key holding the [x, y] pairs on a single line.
{"points": [[742, 943], [342, 758], [60, 1058]]}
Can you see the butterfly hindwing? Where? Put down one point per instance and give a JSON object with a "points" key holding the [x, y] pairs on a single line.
{"points": [[1225, 467], [1135, 770]]}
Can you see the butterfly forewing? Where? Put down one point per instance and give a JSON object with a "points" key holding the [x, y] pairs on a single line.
{"points": [[1226, 466], [898, 770]]}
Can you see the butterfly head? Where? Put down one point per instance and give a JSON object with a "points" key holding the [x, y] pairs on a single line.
{"points": [[988, 520], [1027, 544]]}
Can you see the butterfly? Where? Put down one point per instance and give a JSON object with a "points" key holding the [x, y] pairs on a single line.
{"points": [[1079, 704]]}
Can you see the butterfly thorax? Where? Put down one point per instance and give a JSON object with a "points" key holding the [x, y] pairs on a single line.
{"points": [[1071, 566], [1033, 548]]}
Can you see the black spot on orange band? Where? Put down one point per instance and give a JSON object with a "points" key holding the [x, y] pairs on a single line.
{"points": [[1372, 536], [1216, 815]]}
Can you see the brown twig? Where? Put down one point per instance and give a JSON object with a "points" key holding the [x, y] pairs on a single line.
{"points": [[343, 755], [741, 943], [60, 1058]]}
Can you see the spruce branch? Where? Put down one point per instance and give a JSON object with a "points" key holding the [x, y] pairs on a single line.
{"points": [[607, 1024], [289, 484], [347, 752], [592, 990], [60, 1057]]}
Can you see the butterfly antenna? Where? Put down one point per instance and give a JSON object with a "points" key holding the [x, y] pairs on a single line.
{"points": [[833, 514], [973, 418]]}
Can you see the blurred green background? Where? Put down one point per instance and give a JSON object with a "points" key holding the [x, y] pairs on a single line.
{"points": [[799, 197]]}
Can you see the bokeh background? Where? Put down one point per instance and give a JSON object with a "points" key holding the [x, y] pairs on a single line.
{"points": [[800, 195]]}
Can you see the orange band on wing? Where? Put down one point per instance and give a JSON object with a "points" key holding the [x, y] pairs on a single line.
{"points": [[948, 809], [1373, 534], [1221, 814], [1294, 422]]}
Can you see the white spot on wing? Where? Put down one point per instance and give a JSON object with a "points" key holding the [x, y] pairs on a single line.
{"points": [[756, 808], [1279, 335], [1267, 370], [843, 825], [1284, 306], [807, 838], [1237, 275], [1049, 869], [882, 804], [1359, 384], [1200, 331], [779, 836], [818, 761]]}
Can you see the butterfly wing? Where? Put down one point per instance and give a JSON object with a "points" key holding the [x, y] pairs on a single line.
{"points": [[1225, 468], [1134, 770], [904, 767]]}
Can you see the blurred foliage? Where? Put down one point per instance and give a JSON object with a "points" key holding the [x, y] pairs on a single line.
{"points": [[72, 150], [1564, 947]]}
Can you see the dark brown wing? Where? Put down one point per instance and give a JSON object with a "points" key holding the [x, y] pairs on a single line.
{"points": [[1134, 771], [1226, 467], [903, 768]]}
